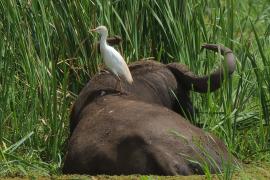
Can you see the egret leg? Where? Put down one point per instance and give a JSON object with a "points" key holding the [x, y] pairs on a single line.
{"points": [[119, 82]]}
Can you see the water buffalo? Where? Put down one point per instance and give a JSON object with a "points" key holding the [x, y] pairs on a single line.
{"points": [[154, 83], [141, 131], [117, 135]]}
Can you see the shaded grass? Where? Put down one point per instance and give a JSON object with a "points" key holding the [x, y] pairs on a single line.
{"points": [[251, 171], [46, 57]]}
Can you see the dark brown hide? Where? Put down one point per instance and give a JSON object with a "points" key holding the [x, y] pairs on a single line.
{"points": [[117, 135]]}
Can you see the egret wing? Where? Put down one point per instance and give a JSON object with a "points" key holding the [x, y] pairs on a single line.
{"points": [[119, 66], [118, 62]]}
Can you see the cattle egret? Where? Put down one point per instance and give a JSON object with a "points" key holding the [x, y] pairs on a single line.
{"points": [[112, 58]]}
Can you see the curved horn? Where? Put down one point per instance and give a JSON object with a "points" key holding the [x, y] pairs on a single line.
{"points": [[114, 40], [201, 84]]}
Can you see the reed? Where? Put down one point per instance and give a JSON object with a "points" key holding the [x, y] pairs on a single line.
{"points": [[47, 56]]}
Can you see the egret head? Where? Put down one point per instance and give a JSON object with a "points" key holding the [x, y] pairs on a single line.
{"points": [[100, 29]]}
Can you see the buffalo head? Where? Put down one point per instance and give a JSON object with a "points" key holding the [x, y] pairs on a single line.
{"points": [[154, 83]]}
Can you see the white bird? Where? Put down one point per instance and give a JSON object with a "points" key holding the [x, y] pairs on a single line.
{"points": [[112, 58]]}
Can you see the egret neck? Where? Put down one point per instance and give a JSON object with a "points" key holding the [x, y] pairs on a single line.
{"points": [[103, 42]]}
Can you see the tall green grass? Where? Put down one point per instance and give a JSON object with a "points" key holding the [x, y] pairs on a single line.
{"points": [[47, 55]]}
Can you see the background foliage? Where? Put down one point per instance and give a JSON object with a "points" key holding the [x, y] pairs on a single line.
{"points": [[47, 55]]}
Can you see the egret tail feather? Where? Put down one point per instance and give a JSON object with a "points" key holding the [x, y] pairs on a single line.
{"points": [[129, 78]]}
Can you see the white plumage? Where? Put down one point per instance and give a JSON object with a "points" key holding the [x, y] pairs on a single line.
{"points": [[112, 58]]}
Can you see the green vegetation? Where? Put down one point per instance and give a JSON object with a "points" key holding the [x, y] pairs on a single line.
{"points": [[47, 56]]}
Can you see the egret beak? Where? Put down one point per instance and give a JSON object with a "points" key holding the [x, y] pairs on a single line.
{"points": [[93, 30]]}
